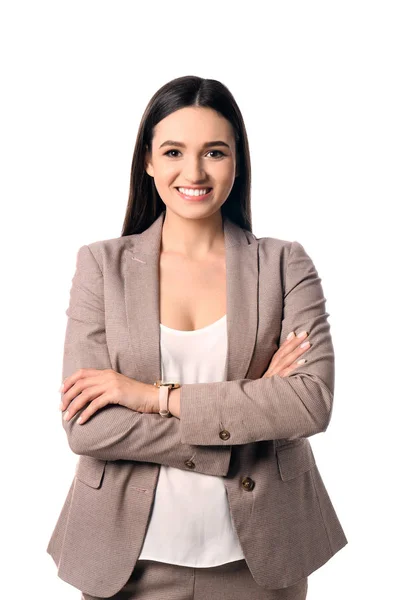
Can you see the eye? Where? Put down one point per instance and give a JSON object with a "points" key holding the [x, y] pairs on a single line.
{"points": [[168, 153], [218, 152]]}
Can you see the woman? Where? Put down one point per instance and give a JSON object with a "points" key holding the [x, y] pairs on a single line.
{"points": [[185, 390]]}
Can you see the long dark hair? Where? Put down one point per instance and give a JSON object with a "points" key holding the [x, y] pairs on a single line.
{"points": [[144, 203]]}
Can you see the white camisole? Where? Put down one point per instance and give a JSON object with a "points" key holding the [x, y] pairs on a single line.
{"points": [[190, 523]]}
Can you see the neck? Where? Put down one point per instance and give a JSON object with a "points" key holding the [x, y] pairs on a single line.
{"points": [[192, 238]]}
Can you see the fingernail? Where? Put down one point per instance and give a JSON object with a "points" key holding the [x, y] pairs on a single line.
{"points": [[304, 344], [302, 334], [65, 417], [61, 388], [79, 420], [60, 406], [290, 336], [301, 361]]}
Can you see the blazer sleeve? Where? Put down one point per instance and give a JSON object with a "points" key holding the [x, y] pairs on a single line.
{"points": [[116, 432], [298, 405]]}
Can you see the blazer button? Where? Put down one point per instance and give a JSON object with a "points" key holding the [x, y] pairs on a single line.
{"points": [[190, 464], [248, 484], [224, 434]]}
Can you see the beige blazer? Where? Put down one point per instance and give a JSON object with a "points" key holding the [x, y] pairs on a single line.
{"points": [[252, 431]]}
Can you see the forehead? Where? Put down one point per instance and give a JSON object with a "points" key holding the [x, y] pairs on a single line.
{"points": [[193, 123]]}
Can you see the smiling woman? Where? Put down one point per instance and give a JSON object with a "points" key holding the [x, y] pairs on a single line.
{"points": [[200, 172], [183, 358]]}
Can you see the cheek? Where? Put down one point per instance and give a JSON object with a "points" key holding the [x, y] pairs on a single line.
{"points": [[166, 174], [226, 174]]}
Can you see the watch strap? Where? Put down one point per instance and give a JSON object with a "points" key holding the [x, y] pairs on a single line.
{"points": [[164, 400], [163, 395]]}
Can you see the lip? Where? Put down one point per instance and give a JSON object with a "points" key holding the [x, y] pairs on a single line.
{"points": [[195, 198]]}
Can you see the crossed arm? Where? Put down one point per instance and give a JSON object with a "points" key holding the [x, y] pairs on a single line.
{"points": [[115, 432], [251, 410], [298, 405]]}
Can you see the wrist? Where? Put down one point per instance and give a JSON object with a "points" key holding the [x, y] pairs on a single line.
{"points": [[153, 401], [153, 398], [175, 402]]}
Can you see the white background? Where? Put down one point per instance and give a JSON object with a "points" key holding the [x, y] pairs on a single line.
{"points": [[318, 87]]}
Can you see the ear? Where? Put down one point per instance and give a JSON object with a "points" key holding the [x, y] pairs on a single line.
{"points": [[148, 165]]}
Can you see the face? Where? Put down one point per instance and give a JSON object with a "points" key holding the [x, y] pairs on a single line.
{"points": [[194, 147]]}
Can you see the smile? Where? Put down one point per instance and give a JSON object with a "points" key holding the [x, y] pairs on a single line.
{"points": [[196, 195]]}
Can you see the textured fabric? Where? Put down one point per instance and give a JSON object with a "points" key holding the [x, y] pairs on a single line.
{"points": [[152, 580], [190, 522], [252, 431]]}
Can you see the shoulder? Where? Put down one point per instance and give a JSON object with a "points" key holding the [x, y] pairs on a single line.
{"points": [[112, 244], [279, 246], [286, 259], [272, 247], [284, 255], [102, 251]]}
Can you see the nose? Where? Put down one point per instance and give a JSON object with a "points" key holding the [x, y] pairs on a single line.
{"points": [[195, 171]]}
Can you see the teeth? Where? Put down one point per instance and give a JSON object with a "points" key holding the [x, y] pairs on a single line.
{"points": [[189, 192]]}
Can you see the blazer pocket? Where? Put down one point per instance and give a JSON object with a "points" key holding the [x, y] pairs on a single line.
{"points": [[294, 460], [90, 470]]}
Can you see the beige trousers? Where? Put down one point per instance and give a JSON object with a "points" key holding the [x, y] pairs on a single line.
{"points": [[153, 580]]}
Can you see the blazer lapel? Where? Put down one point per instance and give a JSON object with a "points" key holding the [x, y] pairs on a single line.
{"points": [[141, 273]]}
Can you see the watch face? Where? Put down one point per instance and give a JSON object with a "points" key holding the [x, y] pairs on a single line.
{"points": [[173, 384], [159, 382]]}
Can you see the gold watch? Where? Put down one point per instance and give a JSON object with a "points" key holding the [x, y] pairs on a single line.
{"points": [[165, 386]]}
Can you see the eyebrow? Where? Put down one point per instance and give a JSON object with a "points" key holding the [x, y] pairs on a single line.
{"points": [[206, 145]]}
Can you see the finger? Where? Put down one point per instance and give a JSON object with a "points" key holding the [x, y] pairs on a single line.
{"points": [[285, 372], [288, 349], [278, 363], [294, 341], [294, 354], [72, 393], [93, 407], [286, 354], [82, 383], [291, 358], [79, 374], [87, 395]]}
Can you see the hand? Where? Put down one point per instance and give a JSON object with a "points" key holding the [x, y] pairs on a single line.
{"points": [[100, 387], [285, 358]]}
